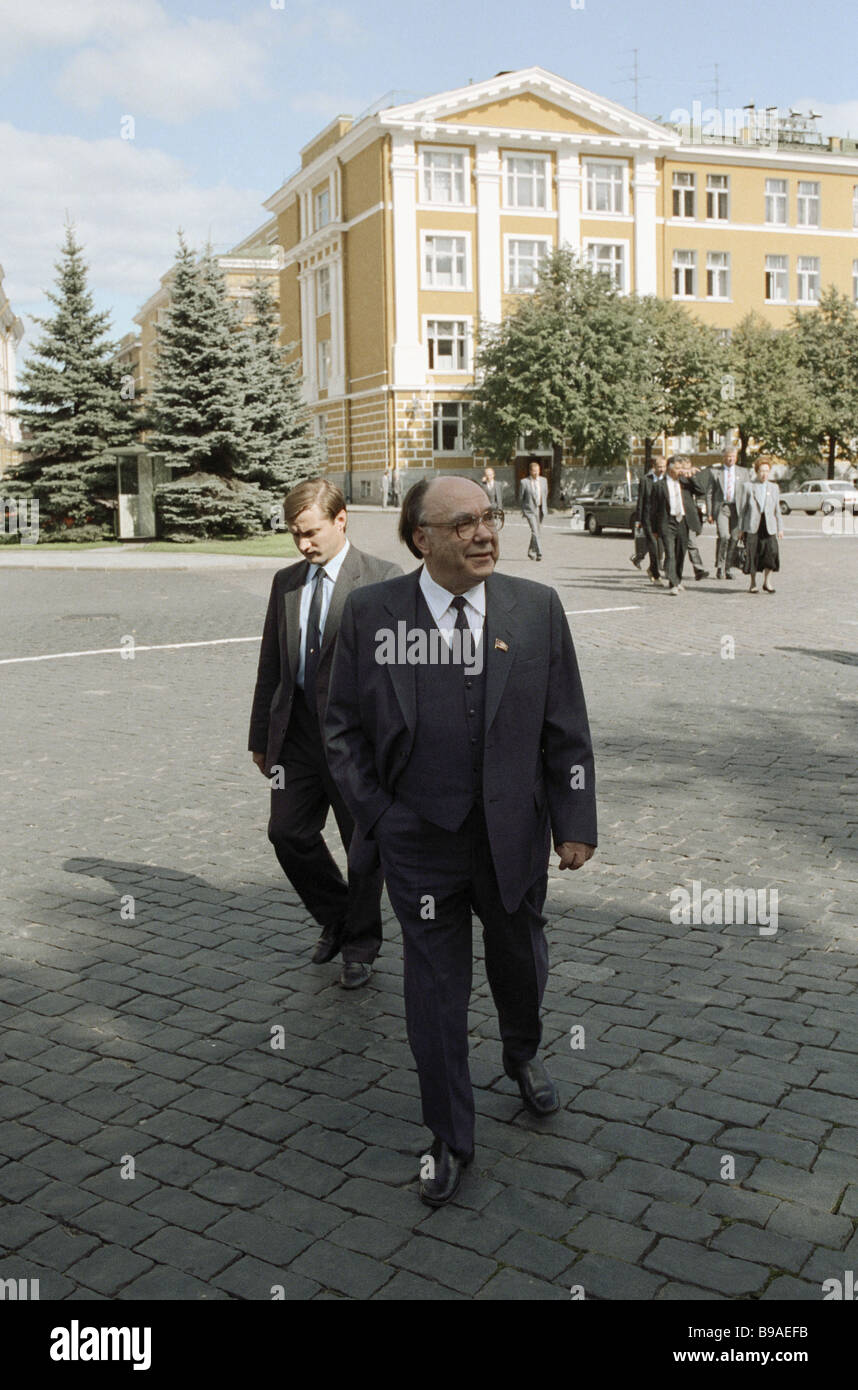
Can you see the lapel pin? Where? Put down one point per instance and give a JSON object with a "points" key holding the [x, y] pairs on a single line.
{"points": [[500, 645]]}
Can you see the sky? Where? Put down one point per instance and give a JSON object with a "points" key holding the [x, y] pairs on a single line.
{"points": [[222, 95]]}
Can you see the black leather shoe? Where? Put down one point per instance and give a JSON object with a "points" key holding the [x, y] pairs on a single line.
{"points": [[354, 974], [446, 1171], [538, 1091], [327, 946], [703, 574]]}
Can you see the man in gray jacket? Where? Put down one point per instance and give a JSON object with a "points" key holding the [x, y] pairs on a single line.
{"points": [[725, 496], [534, 506]]}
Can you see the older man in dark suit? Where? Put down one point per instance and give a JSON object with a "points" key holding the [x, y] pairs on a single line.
{"points": [[285, 727], [457, 728]]}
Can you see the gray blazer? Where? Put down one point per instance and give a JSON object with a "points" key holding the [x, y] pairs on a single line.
{"points": [[281, 646], [750, 512], [494, 492], [716, 490], [529, 504], [536, 730]]}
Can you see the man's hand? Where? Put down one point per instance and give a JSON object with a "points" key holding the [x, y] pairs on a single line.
{"points": [[573, 854], [259, 759]]}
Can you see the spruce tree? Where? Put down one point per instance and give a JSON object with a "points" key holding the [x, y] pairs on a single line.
{"points": [[196, 405], [70, 404], [279, 450]]}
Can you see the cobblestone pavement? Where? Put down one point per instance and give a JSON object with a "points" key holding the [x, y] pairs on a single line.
{"points": [[150, 946]]}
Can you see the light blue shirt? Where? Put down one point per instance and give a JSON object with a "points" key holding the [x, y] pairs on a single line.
{"points": [[332, 570]]}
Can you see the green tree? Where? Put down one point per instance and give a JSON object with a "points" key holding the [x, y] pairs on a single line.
{"points": [[565, 366], [70, 403], [764, 398], [278, 449], [196, 407], [827, 353], [683, 369]]}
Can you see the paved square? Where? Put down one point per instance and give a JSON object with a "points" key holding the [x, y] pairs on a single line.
{"points": [[158, 1141]]}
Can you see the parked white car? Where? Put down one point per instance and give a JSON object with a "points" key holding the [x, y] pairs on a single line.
{"points": [[821, 495]]}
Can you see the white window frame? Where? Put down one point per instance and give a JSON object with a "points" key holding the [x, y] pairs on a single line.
{"points": [[591, 182], [777, 200], [684, 266], [437, 421], [855, 207], [509, 238], [721, 272], [718, 195], [430, 234], [803, 274], [323, 301], [426, 182], [467, 323], [590, 242], [684, 189], [808, 204], [323, 364], [318, 196], [855, 282], [540, 159], [780, 274]]}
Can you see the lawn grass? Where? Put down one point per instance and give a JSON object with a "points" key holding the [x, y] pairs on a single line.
{"points": [[276, 544]]}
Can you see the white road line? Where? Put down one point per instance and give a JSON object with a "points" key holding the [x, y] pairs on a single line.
{"points": [[627, 608], [106, 651]]}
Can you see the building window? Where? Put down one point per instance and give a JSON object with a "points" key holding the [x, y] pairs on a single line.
{"points": [[777, 279], [808, 279], [449, 419], [717, 197], [322, 205], [323, 290], [525, 181], [323, 355], [445, 262], [776, 202], [718, 275], [608, 258], [365, 489], [855, 281], [447, 342], [522, 262], [808, 204], [684, 274], [443, 173], [683, 194], [605, 185], [855, 207]]}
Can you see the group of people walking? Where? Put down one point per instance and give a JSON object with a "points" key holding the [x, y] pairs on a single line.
{"points": [[448, 779], [674, 497]]}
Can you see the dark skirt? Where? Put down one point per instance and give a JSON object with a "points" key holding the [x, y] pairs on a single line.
{"points": [[762, 551]]}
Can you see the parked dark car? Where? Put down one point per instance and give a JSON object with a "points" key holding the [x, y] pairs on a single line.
{"points": [[611, 507]]}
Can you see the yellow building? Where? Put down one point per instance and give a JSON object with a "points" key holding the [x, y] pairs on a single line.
{"points": [[403, 229], [257, 255], [11, 333]]}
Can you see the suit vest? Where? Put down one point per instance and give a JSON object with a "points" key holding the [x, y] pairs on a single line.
{"points": [[443, 778]]}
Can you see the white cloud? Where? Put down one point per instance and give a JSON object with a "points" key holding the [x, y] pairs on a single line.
{"points": [[838, 117], [126, 203], [57, 23], [170, 72]]}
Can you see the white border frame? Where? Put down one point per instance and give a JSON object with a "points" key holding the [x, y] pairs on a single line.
{"points": [[427, 147], [716, 221], [542, 158], [467, 235], [443, 372], [586, 161], [521, 236], [588, 241]]}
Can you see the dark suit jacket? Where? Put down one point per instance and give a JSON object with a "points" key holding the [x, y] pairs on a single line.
{"points": [[281, 646], [691, 489], [536, 728], [660, 505], [643, 510]]}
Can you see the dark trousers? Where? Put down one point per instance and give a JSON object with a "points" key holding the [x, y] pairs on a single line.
{"points": [[655, 550], [693, 552], [675, 536], [436, 878], [727, 524], [299, 809]]}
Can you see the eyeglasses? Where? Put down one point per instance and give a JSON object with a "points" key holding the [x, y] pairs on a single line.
{"points": [[466, 527]]}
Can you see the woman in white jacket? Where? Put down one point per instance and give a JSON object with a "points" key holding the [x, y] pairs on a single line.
{"points": [[759, 521]]}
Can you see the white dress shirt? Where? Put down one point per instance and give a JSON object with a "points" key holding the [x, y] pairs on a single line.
{"points": [[729, 482], [332, 570], [674, 492], [440, 604]]}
